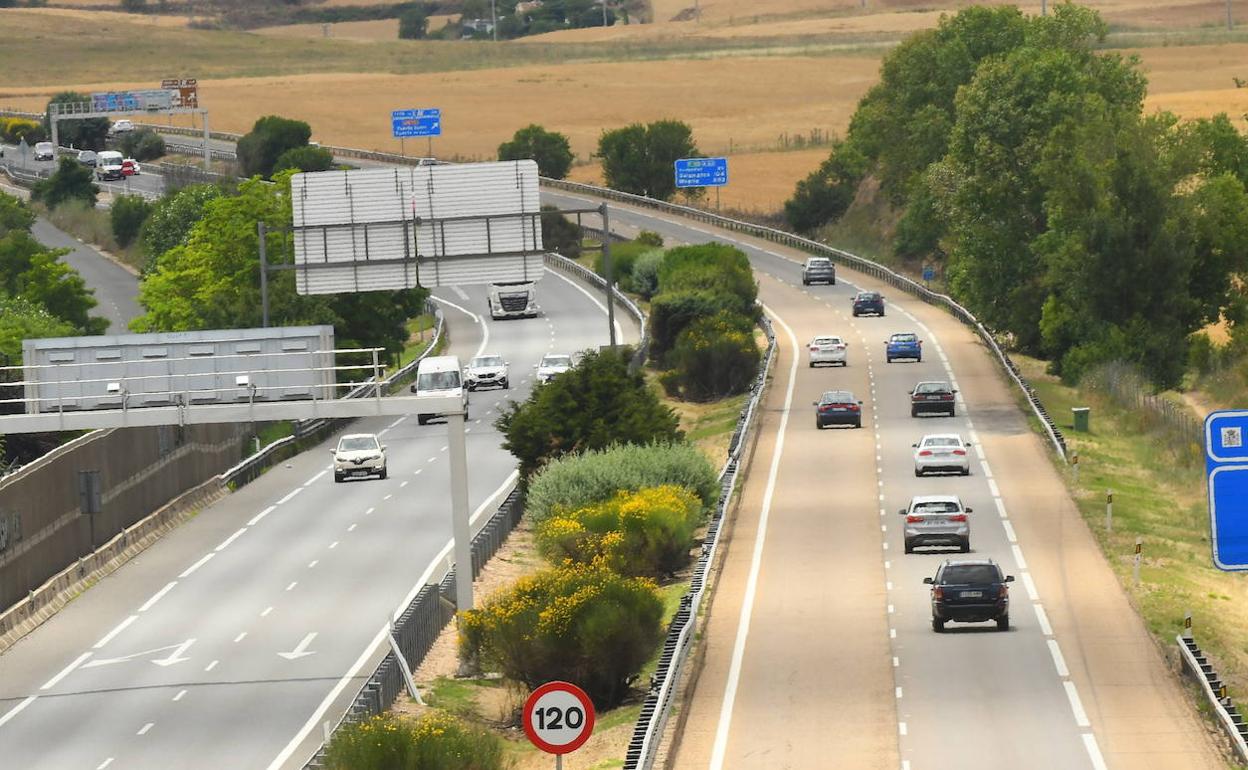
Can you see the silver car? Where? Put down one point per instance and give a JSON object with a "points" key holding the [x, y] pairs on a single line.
{"points": [[937, 520], [942, 453], [359, 454], [486, 372], [551, 365], [828, 349]]}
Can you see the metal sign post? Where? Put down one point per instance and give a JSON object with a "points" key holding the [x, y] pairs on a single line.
{"points": [[1226, 465]]}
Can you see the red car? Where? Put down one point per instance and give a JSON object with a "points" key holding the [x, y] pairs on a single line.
{"points": [[129, 167]]}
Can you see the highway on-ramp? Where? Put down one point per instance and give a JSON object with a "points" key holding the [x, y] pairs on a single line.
{"points": [[819, 650], [226, 644]]}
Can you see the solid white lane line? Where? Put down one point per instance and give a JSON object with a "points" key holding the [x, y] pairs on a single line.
{"points": [[266, 612], [1042, 618], [191, 569], [1059, 662], [211, 665], [104, 764], [315, 478], [1018, 557], [992, 487], [485, 328], [987, 470], [901, 727], [261, 515], [179, 696], [1009, 531], [122, 626], [1076, 705], [396, 423], [225, 543], [288, 497], [751, 589], [18, 709], [1030, 585], [1000, 506], [619, 330], [240, 637], [78, 661], [143, 730], [291, 587], [897, 693], [1094, 752], [147, 605]]}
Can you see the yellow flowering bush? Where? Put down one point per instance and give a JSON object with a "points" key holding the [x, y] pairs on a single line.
{"points": [[580, 623], [713, 357], [644, 533], [435, 741]]}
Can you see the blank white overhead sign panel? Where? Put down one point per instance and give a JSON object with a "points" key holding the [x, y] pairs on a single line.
{"points": [[398, 228]]}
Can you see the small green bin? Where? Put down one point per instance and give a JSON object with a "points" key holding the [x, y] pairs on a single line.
{"points": [[1082, 416]]}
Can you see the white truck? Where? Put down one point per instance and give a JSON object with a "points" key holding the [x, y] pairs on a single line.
{"points": [[513, 299]]}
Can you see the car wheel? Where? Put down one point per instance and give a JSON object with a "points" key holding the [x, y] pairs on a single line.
{"points": [[1003, 622], [422, 419], [858, 424], [966, 471], [938, 625], [506, 384], [908, 547], [812, 364], [805, 282], [918, 473], [382, 475], [818, 425], [965, 546], [914, 412], [953, 412], [832, 282], [337, 478], [919, 360]]}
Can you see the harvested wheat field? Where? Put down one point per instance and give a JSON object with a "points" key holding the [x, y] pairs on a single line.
{"points": [[377, 29]]}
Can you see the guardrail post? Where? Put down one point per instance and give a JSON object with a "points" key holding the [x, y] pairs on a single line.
{"points": [[1074, 466], [1135, 569], [1187, 624], [1109, 510]]}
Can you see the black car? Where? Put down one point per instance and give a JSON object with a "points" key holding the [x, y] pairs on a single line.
{"points": [[819, 270], [868, 302], [932, 398], [972, 591], [838, 407]]}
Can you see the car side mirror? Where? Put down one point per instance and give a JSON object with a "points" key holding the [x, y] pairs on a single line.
{"points": [[506, 363], [955, 390], [916, 446], [901, 512], [535, 366], [333, 451], [968, 509], [929, 581], [383, 447], [859, 403], [413, 388], [814, 403], [1009, 578]]}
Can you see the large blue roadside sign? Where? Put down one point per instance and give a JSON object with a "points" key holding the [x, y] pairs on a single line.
{"points": [[701, 172], [1226, 463], [426, 122]]}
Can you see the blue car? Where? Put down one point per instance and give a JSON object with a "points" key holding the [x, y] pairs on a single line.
{"points": [[904, 345], [868, 302]]}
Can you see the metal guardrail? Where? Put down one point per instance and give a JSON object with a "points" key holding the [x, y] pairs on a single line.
{"points": [[853, 261], [657, 706], [1227, 713]]}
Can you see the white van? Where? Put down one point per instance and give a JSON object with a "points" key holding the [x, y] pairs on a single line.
{"points": [[108, 165], [440, 376]]}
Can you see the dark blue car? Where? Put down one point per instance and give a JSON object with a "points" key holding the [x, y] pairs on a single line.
{"points": [[903, 345], [970, 592], [868, 302]]}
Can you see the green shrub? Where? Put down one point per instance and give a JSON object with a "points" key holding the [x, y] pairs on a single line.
{"points": [[582, 624], [624, 255], [129, 212], [305, 159], [646, 533], [578, 481], [71, 181], [650, 238], [270, 136], [15, 130], [435, 741], [143, 144], [595, 404], [560, 234], [712, 267], [550, 149], [672, 311], [713, 358], [646, 273]]}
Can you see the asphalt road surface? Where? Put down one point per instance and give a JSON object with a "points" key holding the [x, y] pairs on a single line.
{"points": [[116, 289], [230, 641], [819, 648]]}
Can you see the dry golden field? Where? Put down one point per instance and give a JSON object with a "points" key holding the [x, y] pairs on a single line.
{"points": [[378, 29], [802, 67]]}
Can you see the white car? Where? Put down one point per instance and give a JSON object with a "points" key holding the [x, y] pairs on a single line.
{"points": [[828, 349], [486, 372], [122, 126], [552, 364], [45, 151], [359, 454], [942, 453], [937, 520]]}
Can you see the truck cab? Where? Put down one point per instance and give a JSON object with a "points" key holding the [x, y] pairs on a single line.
{"points": [[513, 299]]}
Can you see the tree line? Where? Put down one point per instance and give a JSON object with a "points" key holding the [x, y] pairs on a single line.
{"points": [[1021, 159]]}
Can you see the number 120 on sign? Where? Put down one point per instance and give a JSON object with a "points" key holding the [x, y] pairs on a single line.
{"points": [[558, 717]]}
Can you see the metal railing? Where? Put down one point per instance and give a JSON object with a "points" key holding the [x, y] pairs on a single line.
{"points": [[1225, 711], [1122, 384], [655, 709]]}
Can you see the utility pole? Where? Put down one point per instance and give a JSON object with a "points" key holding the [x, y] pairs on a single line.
{"points": [[494, 19], [1230, 23]]}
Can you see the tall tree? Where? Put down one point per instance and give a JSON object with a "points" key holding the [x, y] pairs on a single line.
{"points": [[70, 181], [270, 136], [549, 148], [641, 159]]}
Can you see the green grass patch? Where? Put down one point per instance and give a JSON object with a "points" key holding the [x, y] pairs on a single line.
{"points": [[458, 696], [420, 335], [91, 225], [268, 432], [1159, 495]]}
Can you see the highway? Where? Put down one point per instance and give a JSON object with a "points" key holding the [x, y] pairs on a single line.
{"points": [[819, 647], [231, 640]]}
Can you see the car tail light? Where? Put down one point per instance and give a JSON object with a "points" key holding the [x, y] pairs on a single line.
{"points": [[946, 397], [854, 407], [925, 453], [960, 452], [839, 347], [938, 593], [814, 348], [1004, 593], [824, 407], [913, 519], [958, 517]]}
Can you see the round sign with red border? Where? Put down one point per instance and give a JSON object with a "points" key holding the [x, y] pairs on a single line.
{"points": [[558, 717]]}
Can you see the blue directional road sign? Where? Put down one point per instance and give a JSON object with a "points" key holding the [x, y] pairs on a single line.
{"points": [[405, 123], [701, 172], [929, 273], [1226, 461]]}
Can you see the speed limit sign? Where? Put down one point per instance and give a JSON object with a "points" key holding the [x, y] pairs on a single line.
{"points": [[558, 717]]}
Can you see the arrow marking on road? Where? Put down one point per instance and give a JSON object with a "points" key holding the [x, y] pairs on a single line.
{"points": [[173, 657], [301, 649]]}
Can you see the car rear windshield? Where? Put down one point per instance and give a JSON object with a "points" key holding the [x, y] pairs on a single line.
{"points": [[936, 506], [931, 387], [942, 441], [837, 397], [557, 361], [487, 361], [970, 573], [357, 444], [868, 296], [827, 340], [904, 338], [437, 381], [819, 263]]}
